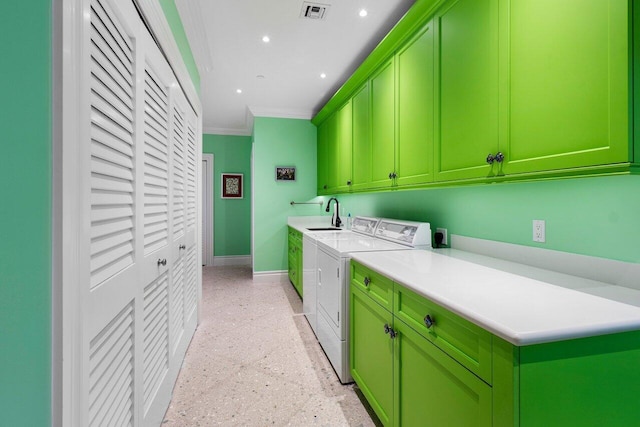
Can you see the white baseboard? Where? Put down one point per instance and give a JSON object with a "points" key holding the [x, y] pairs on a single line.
{"points": [[271, 276], [219, 261]]}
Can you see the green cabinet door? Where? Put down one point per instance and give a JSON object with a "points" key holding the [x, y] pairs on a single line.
{"points": [[432, 389], [344, 127], [372, 353], [466, 38], [361, 138], [567, 96], [332, 153], [323, 156], [382, 126], [415, 110]]}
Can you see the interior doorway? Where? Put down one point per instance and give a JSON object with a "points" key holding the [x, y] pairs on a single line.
{"points": [[207, 209]]}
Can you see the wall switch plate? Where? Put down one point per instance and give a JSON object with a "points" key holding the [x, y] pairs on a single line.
{"points": [[539, 232], [445, 242]]}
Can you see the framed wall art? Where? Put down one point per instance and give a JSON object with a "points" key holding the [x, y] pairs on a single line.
{"points": [[285, 173], [231, 186]]}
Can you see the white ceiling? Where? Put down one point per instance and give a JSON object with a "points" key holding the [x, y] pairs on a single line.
{"points": [[226, 40]]}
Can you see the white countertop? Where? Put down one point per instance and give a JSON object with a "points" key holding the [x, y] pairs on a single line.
{"points": [[521, 304]]}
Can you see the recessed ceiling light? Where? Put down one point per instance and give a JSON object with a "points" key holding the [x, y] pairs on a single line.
{"points": [[323, 75], [363, 13], [265, 39], [238, 90]]}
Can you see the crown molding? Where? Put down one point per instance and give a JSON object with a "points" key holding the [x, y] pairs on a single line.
{"points": [[281, 113], [226, 131]]}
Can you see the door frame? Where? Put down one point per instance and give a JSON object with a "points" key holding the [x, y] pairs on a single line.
{"points": [[69, 63], [208, 201]]}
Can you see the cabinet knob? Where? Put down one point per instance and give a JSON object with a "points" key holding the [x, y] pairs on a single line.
{"points": [[349, 182], [490, 159], [324, 186], [182, 247], [162, 262], [499, 157], [389, 330], [394, 175], [390, 175], [429, 321], [367, 281]]}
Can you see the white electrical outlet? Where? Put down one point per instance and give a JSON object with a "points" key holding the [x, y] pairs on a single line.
{"points": [[444, 235], [539, 232]]}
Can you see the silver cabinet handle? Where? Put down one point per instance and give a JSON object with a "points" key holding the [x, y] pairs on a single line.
{"points": [[429, 321], [490, 159], [499, 157], [367, 281], [182, 247], [162, 262]]}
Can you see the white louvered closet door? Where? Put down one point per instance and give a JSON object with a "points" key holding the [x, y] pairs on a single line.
{"points": [[138, 306]]}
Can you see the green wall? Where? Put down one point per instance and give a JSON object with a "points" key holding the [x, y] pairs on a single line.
{"points": [[173, 17], [280, 142], [231, 218], [598, 216], [25, 214]]}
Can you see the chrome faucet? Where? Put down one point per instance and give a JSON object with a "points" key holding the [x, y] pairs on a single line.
{"points": [[335, 219]]}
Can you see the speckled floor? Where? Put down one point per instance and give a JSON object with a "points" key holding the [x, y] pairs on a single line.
{"points": [[254, 361]]}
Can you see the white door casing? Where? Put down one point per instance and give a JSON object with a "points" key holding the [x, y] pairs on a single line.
{"points": [[207, 209], [130, 251]]}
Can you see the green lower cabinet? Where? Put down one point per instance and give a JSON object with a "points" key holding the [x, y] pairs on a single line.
{"points": [[372, 353], [295, 259], [432, 389], [412, 380], [587, 382]]}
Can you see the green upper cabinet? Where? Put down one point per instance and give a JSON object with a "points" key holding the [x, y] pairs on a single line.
{"points": [[490, 90], [466, 36], [323, 156], [382, 126], [332, 152], [415, 110], [567, 96], [361, 138], [344, 141]]}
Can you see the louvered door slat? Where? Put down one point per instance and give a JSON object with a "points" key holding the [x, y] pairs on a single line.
{"points": [[177, 303], [110, 241], [104, 167], [99, 230], [104, 78], [178, 173], [156, 336], [191, 177], [108, 116], [156, 162], [106, 144], [113, 45], [111, 371], [105, 15], [191, 296]]}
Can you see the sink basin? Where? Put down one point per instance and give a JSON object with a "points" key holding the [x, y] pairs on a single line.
{"points": [[325, 229]]}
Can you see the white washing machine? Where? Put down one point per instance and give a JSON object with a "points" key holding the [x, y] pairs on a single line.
{"points": [[361, 226], [333, 258]]}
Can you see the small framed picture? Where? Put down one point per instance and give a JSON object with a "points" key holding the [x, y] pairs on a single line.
{"points": [[231, 186], [285, 173]]}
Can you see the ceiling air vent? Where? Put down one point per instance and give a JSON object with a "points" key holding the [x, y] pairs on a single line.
{"points": [[314, 10]]}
